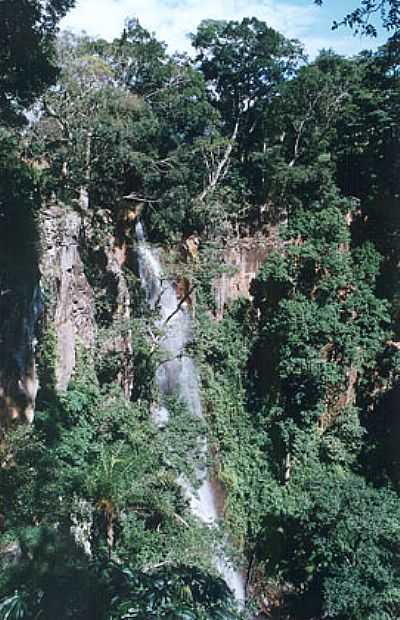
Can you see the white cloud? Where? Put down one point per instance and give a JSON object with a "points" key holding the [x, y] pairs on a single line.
{"points": [[172, 20]]}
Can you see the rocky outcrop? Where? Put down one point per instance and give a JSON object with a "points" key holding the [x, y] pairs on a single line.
{"points": [[68, 297], [58, 290], [121, 340], [242, 259], [50, 290], [20, 310]]}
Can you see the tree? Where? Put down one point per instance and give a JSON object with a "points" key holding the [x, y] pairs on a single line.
{"points": [[27, 59], [27, 67], [244, 64], [312, 104], [368, 147], [315, 352], [226, 145], [141, 60], [360, 18], [57, 581], [84, 474], [85, 140], [300, 127], [114, 127], [338, 544]]}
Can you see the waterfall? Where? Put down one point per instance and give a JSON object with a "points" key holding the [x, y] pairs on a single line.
{"points": [[178, 374]]}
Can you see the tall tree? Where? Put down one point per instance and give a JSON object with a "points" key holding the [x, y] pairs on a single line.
{"points": [[243, 63], [27, 59]]}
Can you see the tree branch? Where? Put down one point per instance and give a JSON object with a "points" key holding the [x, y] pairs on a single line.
{"points": [[137, 198], [215, 177], [179, 306]]}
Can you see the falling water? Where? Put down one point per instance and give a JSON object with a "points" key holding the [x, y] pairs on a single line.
{"points": [[178, 374]]}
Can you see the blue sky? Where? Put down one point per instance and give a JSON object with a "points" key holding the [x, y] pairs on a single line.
{"points": [[172, 20]]}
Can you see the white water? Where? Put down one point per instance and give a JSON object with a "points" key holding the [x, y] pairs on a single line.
{"points": [[178, 374]]}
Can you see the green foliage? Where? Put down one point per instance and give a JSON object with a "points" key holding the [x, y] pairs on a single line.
{"points": [[47, 361], [313, 302], [66, 584], [339, 540], [244, 62], [360, 19], [367, 145], [94, 462], [19, 200], [183, 593], [27, 69], [134, 129], [237, 444]]}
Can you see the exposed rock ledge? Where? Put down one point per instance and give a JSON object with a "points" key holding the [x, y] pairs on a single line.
{"points": [[69, 299], [243, 259]]}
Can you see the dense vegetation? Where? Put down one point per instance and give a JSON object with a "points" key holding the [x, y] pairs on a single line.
{"points": [[299, 384]]}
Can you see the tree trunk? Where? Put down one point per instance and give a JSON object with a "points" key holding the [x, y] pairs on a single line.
{"points": [[222, 164], [84, 189]]}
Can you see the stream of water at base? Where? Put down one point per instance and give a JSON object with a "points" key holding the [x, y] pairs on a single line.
{"points": [[179, 375]]}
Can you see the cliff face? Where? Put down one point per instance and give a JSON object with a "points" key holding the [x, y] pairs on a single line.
{"points": [[21, 307], [59, 295], [67, 239], [55, 292], [68, 297], [242, 260]]}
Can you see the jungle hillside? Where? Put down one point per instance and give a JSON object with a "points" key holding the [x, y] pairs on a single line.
{"points": [[199, 321]]}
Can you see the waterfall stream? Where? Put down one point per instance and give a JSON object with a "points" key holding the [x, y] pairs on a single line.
{"points": [[178, 374]]}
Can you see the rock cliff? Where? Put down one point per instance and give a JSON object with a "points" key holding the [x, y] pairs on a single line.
{"points": [[61, 296], [242, 259], [68, 297]]}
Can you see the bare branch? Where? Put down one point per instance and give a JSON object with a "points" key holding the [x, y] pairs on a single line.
{"points": [[179, 306], [216, 175], [138, 198], [60, 122]]}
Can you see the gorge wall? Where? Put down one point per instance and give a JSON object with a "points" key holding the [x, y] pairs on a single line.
{"points": [[242, 259], [68, 297], [59, 297]]}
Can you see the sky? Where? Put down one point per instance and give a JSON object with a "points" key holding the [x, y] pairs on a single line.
{"points": [[173, 20]]}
